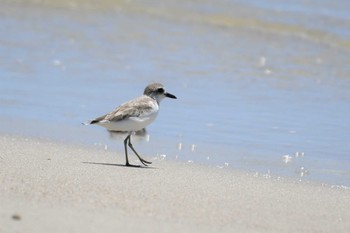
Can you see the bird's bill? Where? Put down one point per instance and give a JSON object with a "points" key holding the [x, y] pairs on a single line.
{"points": [[170, 95]]}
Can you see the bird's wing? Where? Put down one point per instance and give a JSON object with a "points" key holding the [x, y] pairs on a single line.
{"points": [[139, 107]]}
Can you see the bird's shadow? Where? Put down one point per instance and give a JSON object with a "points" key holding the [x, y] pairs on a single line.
{"points": [[118, 165]]}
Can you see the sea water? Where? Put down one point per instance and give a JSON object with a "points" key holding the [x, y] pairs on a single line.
{"points": [[262, 86]]}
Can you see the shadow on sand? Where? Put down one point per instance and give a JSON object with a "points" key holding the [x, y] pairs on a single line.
{"points": [[119, 165]]}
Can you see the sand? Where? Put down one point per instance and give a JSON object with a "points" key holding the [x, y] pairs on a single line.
{"points": [[52, 187]]}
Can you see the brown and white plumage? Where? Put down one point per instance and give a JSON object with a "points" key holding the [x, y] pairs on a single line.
{"points": [[134, 115], [131, 116]]}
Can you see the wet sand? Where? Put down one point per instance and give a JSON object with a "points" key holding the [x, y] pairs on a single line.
{"points": [[52, 187]]}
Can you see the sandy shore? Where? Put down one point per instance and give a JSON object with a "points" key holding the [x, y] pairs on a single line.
{"points": [[49, 187]]}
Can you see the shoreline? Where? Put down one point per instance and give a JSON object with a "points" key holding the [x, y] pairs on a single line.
{"points": [[46, 186]]}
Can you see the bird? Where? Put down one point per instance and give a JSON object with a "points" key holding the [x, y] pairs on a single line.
{"points": [[134, 115]]}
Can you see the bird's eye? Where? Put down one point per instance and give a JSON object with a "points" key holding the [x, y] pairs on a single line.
{"points": [[160, 90]]}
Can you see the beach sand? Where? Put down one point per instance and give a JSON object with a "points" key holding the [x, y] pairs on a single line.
{"points": [[52, 187]]}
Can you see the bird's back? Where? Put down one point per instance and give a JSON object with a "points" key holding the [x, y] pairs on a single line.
{"points": [[133, 115]]}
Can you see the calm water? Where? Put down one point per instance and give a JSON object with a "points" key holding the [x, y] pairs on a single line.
{"points": [[261, 86]]}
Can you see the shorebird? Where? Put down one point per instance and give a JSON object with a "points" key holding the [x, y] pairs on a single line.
{"points": [[134, 115]]}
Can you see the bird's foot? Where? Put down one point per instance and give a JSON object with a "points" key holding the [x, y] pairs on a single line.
{"points": [[131, 165], [144, 162]]}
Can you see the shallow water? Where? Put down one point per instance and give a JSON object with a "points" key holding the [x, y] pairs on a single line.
{"points": [[262, 87]]}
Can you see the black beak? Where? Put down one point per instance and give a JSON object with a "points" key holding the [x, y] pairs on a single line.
{"points": [[170, 95]]}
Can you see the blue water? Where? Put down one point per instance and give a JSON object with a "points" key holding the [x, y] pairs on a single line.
{"points": [[256, 82]]}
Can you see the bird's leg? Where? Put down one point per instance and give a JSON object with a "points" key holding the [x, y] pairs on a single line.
{"points": [[126, 152], [144, 162]]}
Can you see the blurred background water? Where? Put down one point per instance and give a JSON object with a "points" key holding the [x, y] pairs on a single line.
{"points": [[262, 86]]}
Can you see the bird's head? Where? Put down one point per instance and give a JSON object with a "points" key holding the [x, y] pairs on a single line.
{"points": [[157, 92]]}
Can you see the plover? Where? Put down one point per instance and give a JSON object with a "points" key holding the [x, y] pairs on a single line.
{"points": [[134, 115]]}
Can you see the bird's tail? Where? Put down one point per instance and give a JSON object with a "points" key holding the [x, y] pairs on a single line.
{"points": [[94, 121], [86, 123], [91, 122]]}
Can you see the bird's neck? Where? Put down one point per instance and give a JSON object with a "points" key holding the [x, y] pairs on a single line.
{"points": [[158, 99]]}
